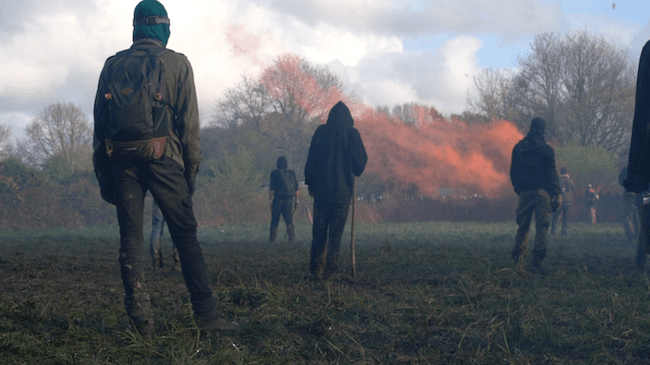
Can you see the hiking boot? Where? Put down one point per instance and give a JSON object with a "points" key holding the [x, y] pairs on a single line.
{"points": [[519, 263], [218, 325], [144, 327], [177, 266], [157, 263], [536, 268]]}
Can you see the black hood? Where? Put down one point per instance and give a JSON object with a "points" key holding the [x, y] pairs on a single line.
{"points": [[340, 116], [533, 140], [281, 163]]}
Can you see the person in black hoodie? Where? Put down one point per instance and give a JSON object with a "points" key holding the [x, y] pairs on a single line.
{"points": [[638, 169], [282, 191], [535, 180], [336, 154]]}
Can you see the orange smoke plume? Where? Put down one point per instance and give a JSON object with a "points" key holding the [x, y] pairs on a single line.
{"points": [[431, 153]]}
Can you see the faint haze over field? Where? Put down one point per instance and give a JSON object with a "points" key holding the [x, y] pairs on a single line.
{"points": [[386, 52]]}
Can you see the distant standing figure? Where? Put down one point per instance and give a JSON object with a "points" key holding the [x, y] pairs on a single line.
{"points": [[591, 198], [284, 196], [566, 186], [157, 229], [336, 155], [535, 180]]}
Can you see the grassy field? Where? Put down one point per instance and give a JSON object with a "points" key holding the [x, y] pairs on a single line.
{"points": [[426, 293]]}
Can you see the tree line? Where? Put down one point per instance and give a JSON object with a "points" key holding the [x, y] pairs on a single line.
{"points": [[580, 83]]}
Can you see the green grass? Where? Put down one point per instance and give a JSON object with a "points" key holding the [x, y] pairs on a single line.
{"points": [[426, 293]]}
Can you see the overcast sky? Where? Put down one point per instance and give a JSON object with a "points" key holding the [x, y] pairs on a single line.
{"points": [[385, 51]]}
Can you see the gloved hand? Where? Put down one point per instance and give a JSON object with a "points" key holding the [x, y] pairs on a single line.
{"points": [[191, 183], [190, 178], [556, 203]]}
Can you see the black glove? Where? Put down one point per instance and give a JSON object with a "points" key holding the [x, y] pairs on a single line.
{"points": [[190, 177], [556, 203], [106, 184], [191, 182]]}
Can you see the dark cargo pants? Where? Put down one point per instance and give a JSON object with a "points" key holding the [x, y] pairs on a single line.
{"points": [[327, 230], [164, 178], [536, 202], [157, 229], [643, 241], [282, 206]]}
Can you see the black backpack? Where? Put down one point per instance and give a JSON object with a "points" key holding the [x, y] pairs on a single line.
{"points": [[287, 183], [138, 122]]}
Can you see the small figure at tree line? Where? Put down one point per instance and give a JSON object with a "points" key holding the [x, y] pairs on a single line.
{"points": [[566, 186], [535, 180], [147, 138], [336, 155], [591, 199], [284, 197]]}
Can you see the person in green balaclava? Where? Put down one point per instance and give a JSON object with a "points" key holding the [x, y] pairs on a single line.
{"points": [[150, 21], [170, 176]]}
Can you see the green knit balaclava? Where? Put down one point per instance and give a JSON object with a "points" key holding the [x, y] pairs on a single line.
{"points": [[150, 21]]}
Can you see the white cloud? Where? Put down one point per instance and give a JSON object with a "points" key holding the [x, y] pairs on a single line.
{"points": [[441, 79], [619, 32], [54, 51]]}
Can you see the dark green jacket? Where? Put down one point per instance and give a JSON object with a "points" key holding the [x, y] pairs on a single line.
{"points": [[184, 145]]}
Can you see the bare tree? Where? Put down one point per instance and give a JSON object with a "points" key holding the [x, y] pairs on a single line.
{"points": [[276, 113], [5, 133], [599, 83], [492, 87], [63, 130], [582, 85]]}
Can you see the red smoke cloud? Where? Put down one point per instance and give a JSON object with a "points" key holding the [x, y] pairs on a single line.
{"points": [[243, 42], [431, 153]]}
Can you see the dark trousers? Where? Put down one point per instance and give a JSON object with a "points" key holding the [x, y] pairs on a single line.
{"points": [[157, 228], [282, 206], [643, 241], [327, 230], [564, 211], [164, 178], [538, 203]]}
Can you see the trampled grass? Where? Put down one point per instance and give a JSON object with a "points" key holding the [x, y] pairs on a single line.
{"points": [[426, 293]]}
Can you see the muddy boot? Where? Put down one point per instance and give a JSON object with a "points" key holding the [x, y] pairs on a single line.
{"points": [[177, 266], [518, 260], [273, 234], [209, 319], [157, 263], [536, 267], [291, 232], [138, 308]]}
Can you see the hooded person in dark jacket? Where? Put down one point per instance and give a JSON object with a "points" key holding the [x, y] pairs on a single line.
{"points": [[336, 154], [638, 168], [535, 180], [284, 195]]}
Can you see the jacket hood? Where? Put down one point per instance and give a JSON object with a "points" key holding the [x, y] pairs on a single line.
{"points": [[150, 21], [533, 140], [340, 116], [281, 163]]}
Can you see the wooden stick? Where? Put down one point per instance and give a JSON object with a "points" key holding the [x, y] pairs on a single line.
{"points": [[352, 238]]}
